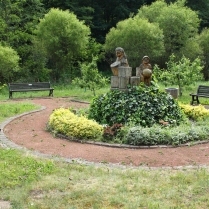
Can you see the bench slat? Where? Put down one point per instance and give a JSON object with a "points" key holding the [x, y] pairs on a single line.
{"points": [[41, 89]]}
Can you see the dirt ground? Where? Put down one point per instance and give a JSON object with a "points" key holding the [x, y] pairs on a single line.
{"points": [[30, 131]]}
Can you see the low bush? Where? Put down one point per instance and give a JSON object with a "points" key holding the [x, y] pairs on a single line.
{"points": [[195, 113], [65, 122], [139, 105], [158, 135]]}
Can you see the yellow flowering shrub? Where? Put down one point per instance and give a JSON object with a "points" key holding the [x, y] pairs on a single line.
{"points": [[195, 112], [66, 122]]}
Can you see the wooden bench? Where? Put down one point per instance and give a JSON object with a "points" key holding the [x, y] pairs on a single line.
{"points": [[202, 91], [24, 87]]}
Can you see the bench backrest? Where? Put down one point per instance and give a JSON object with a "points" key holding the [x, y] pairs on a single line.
{"points": [[203, 90], [38, 85]]}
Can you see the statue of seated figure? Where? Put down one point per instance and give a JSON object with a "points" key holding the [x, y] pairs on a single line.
{"points": [[120, 61], [144, 71]]}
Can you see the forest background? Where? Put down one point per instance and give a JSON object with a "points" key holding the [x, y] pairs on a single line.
{"points": [[45, 40]]}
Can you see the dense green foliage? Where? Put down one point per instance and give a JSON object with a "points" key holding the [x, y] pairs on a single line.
{"points": [[139, 105], [64, 38], [64, 121], [178, 23], [138, 37], [90, 77], [180, 26], [9, 63], [158, 135], [101, 15], [181, 73], [203, 40], [18, 19]]}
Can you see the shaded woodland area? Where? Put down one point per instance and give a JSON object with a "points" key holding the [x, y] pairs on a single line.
{"points": [[18, 33]]}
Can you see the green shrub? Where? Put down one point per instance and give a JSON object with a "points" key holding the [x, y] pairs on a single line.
{"points": [[158, 135], [139, 105], [65, 122], [2, 86], [195, 113]]}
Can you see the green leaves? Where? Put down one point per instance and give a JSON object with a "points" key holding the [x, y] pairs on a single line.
{"points": [[9, 63], [138, 37], [178, 23], [158, 135], [181, 73], [90, 77], [140, 105], [64, 39]]}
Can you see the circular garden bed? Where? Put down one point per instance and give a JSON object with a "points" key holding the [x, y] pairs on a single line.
{"points": [[141, 116]]}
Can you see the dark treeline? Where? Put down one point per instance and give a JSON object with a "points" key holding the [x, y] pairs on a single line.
{"points": [[18, 25], [102, 15]]}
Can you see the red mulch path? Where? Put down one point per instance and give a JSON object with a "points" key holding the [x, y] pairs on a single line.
{"points": [[30, 131]]}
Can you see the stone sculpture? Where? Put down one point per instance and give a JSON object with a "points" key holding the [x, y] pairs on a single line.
{"points": [[120, 61], [144, 71]]}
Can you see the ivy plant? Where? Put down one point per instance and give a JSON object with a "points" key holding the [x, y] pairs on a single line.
{"points": [[139, 105]]}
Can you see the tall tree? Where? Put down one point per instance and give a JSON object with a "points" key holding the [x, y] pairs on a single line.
{"points": [[179, 24], [64, 39], [201, 6], [100, 15], [204, 42], [9, 64], [18, 19], [138, 37]]}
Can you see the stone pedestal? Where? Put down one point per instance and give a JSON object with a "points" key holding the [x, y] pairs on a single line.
{"points": [[135, 80], [124, 71], [114, 82], [174, 92], [121, 78], [123, 82]]}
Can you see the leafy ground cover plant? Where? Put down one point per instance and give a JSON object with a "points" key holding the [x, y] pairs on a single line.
{"points": [[140, 105], [158, 135], [149, 115], [195, 128]]}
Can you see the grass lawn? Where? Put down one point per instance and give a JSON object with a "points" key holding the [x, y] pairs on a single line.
{"points": [[29, 182]]}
